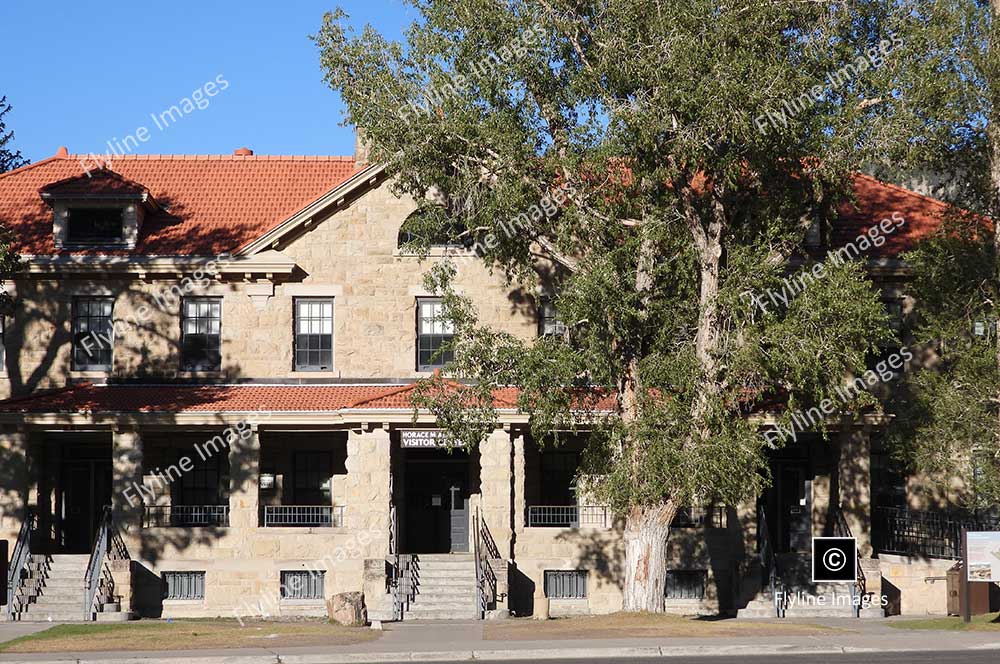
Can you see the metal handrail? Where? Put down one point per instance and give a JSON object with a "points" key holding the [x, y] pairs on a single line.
{"points": [[769, 564], [480, 576], [95, 566], [859, 589], [19, 561]]}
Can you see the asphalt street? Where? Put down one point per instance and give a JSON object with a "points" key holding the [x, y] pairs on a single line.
{"points": [[947, 657]]}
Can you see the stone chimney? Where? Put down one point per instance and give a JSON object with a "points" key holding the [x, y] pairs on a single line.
{"points": [[360, 147]]}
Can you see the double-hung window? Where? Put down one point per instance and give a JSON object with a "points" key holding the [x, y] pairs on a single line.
{"points": [[201, 334], [93, 333], [549, 323], [313, 334], [434, 333]]}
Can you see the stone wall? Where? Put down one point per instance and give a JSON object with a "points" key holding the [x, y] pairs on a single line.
{"points": [[351, 256]]}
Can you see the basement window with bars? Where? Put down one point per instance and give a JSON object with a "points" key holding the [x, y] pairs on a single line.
{"points": [[566, 584], [686, 584], [299, 584], [183, 585]]}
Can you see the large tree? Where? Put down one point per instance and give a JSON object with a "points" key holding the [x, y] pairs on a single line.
{"points": [[948, 76], [9, 160], [653, 165]]}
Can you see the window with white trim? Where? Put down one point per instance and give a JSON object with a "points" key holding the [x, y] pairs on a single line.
{"points": [[93, 333], [313, 334], [183, 585], [201, 334], [434, 333]]}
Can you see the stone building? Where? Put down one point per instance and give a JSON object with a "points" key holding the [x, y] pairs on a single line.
{"points": [[207, 370]]}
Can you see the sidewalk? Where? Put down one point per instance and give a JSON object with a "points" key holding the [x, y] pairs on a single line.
{"points": [[463, 641]]}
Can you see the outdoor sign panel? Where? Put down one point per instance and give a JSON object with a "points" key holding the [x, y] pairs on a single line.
{"points": [[984, 556], [423, 438]]}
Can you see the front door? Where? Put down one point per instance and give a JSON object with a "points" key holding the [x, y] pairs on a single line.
{"points": [[86, 490], [437, 506], [794, 508], [458, 519]]}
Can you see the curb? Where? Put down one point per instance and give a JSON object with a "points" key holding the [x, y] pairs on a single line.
{"points": [[508, 655]]}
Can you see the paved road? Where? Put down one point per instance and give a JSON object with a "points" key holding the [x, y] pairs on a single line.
{"points": [[952, 657]]}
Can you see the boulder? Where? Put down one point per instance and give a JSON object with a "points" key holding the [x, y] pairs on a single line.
{"points": [[347, 609]]}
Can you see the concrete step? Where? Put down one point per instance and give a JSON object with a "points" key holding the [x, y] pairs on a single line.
{"points": [[74, 604], [442, 614], [469, 589], [75, 584], [61, 594], [113, 616], [444, 602], [55, 616], [445, 557], [446, 574]]}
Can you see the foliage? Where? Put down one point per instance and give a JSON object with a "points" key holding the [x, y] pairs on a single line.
{"points": [[615, 154], [946, 84], [9, 159]]}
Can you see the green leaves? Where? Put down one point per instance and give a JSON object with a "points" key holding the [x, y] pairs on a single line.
{"points": [[609, 155]]}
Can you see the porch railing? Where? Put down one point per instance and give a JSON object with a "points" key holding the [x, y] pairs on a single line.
{"points": [[18, 570], [928, 534], [303, 516], [859, 591], [108, 545], [770, 577], [180, 516], [567, 516]]}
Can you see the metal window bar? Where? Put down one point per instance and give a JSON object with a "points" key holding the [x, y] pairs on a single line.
{"points": [[686, 584], [566, 584], [568, 516], [184, 585], [304, 516], [302, 584], [181, 516]]}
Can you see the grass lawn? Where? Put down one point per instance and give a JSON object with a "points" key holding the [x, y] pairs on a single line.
{"points": [[989, 622], [185, 635], [622, 625]]}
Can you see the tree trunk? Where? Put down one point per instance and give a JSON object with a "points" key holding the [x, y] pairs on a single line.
{"points": [[646, 531]]}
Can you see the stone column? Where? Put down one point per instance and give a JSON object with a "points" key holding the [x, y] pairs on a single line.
{"points": [[855, 482], [368, 489], [127, 481], [244, 481], [519, 503], [496, 485], [13, 482]]}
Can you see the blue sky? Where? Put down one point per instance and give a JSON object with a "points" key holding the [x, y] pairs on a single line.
{"points": [[82, 73]]}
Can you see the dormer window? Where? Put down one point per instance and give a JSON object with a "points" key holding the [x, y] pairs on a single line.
{"points": [[102, 208], [95, 224]]}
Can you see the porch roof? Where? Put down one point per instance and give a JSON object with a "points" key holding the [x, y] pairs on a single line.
{"points": [[237, 398]]}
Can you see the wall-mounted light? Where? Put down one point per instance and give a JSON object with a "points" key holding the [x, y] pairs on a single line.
{"points": [[267, 480]]}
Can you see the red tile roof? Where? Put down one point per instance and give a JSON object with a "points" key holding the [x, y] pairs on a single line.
{"points": [[215, 203], [99, 183], [86, 397], [877, 200], [218, 203]]}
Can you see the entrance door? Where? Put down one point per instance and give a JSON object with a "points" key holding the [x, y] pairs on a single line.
{"points": [[86, 490], [437, 506], [459, 520], [794, 527]]}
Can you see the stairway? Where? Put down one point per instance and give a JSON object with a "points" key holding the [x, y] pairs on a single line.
{"points": [[445, 588], [58, 592], [802, 597]]}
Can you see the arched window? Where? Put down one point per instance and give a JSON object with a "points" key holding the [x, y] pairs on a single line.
{"points": [[423, 229]]}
